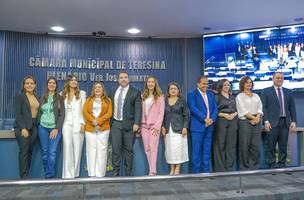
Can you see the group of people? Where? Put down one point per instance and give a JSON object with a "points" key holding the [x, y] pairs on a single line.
{"points": [[215, 123], [239, 120], [247, 52], [282, 52]]}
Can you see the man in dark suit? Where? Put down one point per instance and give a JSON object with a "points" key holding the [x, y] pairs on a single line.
{"points": [[203, 113], [125, 122], [279, 116]]}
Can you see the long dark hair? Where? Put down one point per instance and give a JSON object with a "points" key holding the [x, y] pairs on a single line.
{"points": [[46, 93]]}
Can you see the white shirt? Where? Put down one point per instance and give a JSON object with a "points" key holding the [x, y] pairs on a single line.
{"points": [[124, 93], [74, 111], [69, 113], [282, 93], [205, 98], [96, 108], [246, 104], [148, 103]]}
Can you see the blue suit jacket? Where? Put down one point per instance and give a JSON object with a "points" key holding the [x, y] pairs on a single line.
{"points": [[271, 106], [198, 110]]}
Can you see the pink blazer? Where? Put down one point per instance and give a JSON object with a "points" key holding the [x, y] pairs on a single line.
{"points": [[155, 116]]}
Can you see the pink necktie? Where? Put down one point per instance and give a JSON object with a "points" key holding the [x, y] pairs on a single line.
{"points": [[206, 103]]}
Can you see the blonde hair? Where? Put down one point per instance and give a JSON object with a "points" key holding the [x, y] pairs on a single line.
{"points": [[104, 93], [66, 87], [157, 92]]}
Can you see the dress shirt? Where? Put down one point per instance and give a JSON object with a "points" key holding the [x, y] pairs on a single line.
{"points": [[97, 108], [276, 89], [124, 93], [148, 103], [205, 98]]}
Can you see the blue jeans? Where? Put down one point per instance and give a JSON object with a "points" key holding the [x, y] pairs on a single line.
{"points": [[49, 150]]}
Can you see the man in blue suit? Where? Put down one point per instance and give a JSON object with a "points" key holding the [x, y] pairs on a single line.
{"points": [[279, 116], [203, 113]]}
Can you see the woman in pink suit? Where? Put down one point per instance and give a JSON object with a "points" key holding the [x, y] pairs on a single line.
{"points": [[153, 106]]}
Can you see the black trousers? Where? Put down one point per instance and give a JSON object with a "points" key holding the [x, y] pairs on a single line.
{"points": [[26, 146], [224, 144], [278, 134], [122, 146], [249, 145]]}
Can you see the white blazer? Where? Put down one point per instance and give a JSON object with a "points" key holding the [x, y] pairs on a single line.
{"points": [[77, 110]]}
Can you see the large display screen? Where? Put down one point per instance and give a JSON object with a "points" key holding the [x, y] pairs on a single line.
{"points": [[256, 53]]}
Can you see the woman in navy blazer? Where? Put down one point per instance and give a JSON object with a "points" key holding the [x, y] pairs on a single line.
{"points": [[26, 109]]}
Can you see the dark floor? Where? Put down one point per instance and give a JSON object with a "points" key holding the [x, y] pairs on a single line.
{"points": [[281, 186]]}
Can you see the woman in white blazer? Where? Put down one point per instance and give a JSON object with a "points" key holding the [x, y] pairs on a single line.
{"points": [[73, 127]]}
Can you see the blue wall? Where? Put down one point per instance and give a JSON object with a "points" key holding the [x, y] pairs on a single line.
{"points": [[20, 47], [2, 73], [183, 63]]}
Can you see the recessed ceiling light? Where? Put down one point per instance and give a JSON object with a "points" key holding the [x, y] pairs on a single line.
{"points": [[133, 30], [57, 28]]}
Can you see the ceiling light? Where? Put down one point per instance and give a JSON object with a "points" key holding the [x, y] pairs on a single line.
{"points": [[133, 30], [57, 28]]}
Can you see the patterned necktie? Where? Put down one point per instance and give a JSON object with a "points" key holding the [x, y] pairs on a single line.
{"points": [[281, 102], [119, 104]]}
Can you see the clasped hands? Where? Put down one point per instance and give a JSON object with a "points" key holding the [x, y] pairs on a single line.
{"points": [[230, 116], [208, 122], [255, 120]]}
